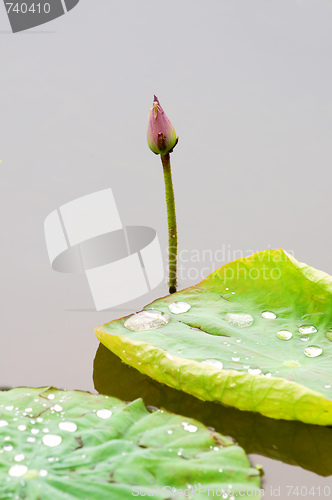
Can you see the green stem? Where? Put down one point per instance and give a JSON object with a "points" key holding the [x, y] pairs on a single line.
{"points": [[171, 218]]}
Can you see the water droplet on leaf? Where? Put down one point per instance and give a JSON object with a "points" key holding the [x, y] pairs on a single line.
{"points": [[18, 470], [254, 371], [146, 320], [313, 351], [52, 440], [189, 427], [213, 362], [268, 315], [239, 319], [329, 335], [179, 307], [307, 329], [104, 413], [284, 335], [68, 426]]}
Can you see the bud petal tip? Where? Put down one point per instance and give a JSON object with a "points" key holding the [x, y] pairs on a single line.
{"points": [[161, 134]]}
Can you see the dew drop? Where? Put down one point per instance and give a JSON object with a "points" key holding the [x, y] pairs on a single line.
{"points": [[146, 320], [28, 410], [327, 386], [220, 470], [189, 427], [50, 396], [170, 432], [19, 457], [18, 470], [313, 351], [8, 447], [68, 426], [213, 362], [268, 315], [52, 440], [57, 408], [329, 335], [21, 427], [239, 319], [307, 329], [104, 413], [254, 371], [304, 338], [3, 423], [284, 335], [34, 431], [179, 307], [9, 408], [43, 473], [31, 439], [235, 359]]}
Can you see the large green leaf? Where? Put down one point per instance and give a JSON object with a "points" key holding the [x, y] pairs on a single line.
{"points": [[215, 352], [292, 442], [73, 445]]}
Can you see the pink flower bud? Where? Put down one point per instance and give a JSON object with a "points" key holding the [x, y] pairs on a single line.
{"points": [[161, 134]]}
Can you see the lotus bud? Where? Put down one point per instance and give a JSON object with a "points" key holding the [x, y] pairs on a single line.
{"points": [[161, 134]]}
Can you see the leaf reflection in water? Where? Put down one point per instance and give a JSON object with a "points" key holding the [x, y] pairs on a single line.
{"points": [[292, 442]]}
